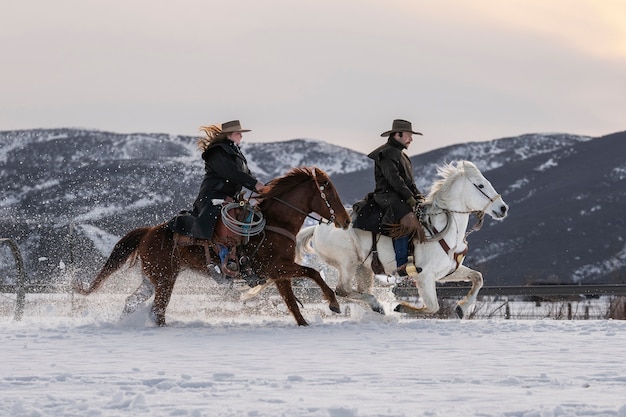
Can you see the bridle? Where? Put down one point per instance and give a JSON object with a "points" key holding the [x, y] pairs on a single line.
{"points": [[321, 189], [491, 199], [287, 233], [437, 235], [480, 214]]}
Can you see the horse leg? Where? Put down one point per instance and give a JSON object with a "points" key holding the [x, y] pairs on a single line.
{"points": [[364, 281], [428, 292], [464, 273], [141, 294], [162, 296], [162, 274], [344, 284], [329, 294], [364, 284], [286, 291]]}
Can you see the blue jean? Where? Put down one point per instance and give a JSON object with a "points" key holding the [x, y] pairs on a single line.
{"points": [[401, 247]]}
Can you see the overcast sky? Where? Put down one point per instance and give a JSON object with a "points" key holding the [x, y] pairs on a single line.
{"points": [[334, 70]]}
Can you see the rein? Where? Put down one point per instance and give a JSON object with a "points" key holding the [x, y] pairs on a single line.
{"points": [[324, 198], [299, 210], [480, 219], [287, 233], [480, 215]]}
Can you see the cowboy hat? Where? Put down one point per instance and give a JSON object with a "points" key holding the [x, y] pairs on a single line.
{"points": [[400, 125], [232, 126]]}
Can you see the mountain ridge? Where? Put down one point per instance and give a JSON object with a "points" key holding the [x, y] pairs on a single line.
{"points": [[85, 188]]}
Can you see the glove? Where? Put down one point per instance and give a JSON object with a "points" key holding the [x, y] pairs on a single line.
{"points": [[411, 202]]}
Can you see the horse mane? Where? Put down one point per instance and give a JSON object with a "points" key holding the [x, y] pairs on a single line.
{"points": [[439, 195], [291, 179]]}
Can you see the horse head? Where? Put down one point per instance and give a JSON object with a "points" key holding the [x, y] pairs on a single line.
{"points": [[305, 190], [463, 188], [329, 205]]}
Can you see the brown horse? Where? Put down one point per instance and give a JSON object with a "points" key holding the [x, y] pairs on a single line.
{"points": [[285, 204]]}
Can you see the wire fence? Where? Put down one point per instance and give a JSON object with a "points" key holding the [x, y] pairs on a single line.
{"points": [[508, 302]]}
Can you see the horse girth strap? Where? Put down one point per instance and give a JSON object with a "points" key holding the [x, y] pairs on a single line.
{"points": [[377, 266], [281, 231], [458, 257], [442, 241]]}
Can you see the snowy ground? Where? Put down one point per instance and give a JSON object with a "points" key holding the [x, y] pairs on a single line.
{"points": [[74, 357]]}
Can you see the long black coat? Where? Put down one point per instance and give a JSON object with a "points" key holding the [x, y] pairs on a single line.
{"points": [[226, 173], [393, 173]]}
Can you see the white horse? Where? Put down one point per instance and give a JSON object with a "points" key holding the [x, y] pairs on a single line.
{"points": [[461, 191]]}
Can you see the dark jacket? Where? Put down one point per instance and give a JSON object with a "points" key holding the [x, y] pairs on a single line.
{"points": [[226, 173], [393, 173]]}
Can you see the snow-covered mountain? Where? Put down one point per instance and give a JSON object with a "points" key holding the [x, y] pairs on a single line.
{"points": [[69, 194]]}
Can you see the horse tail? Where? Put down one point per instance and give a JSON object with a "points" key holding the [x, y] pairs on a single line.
{"points": [[124, 249], [303, 243]]}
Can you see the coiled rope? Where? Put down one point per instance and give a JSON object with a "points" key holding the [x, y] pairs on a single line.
{"points": [[253, 224]]}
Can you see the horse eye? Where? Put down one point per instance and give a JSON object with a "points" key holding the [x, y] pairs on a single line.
{"points": [[481, 186]]}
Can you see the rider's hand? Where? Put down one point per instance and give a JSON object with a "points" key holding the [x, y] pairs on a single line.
{"points": [[411, 201]]}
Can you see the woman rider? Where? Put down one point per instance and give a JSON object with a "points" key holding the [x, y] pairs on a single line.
{"points": [[226, 173]]}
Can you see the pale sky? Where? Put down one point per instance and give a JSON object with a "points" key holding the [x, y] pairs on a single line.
{"points": [[334, 70]]}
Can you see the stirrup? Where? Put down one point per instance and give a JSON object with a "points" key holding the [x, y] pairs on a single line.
{"points": [[216, 274], [411, 269]]}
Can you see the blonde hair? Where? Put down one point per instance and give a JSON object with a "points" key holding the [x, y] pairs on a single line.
{"points": [[213, 134]]}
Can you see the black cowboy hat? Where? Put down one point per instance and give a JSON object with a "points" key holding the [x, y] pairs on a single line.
{"points": [[400, 125]]}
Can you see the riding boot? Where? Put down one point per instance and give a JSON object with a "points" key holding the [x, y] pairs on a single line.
{"points": [[246, 271], [401, 248], [228, 260]]}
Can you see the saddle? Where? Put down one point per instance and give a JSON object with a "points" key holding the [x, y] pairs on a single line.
{"points": [[367, 215], [377, 266], [226, 245]]}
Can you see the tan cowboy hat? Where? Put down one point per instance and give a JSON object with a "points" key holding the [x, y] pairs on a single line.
{"points": [[400, 125], [232, 126]]}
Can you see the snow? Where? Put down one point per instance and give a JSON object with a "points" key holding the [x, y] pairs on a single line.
{"points": [[550, 163], [101, 239], [618, 173], [74, 357], [613, 263]]}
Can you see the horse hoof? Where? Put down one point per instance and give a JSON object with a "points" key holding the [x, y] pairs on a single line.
{"points": [[459, 312], [404, 309], [379, 310], [335, 309]]}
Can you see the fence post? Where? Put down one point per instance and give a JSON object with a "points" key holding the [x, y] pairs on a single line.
{"points": [[70, 244], [507, 311], [20, 280], [569, 311]]}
